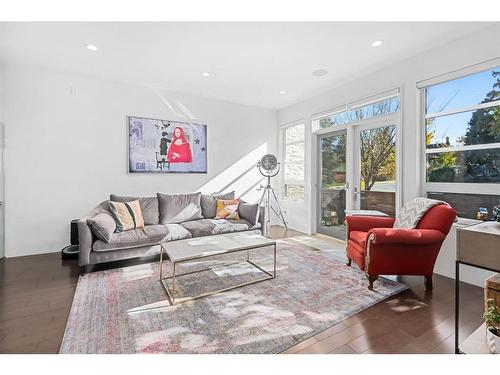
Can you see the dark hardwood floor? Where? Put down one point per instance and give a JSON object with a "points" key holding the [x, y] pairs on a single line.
{"points": [[36, 293]]}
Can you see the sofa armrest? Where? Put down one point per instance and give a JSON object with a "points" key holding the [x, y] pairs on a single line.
{"points": [[85, 239], [365, 223], [406, 236]]}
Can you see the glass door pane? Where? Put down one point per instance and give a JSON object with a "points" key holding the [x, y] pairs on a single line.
{"points": [[377, 183], [332, 190]]}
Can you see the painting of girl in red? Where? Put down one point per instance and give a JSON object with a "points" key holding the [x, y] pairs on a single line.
{"points": [[180, 149]]}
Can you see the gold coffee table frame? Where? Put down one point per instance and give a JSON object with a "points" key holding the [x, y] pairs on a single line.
{"points": [[172, 294]]}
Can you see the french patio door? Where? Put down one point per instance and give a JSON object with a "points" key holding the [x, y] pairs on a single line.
{"points": [[357, 170], [375, 167], [333, 185]]}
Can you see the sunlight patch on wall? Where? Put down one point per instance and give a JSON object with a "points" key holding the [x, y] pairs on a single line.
{"points": [[242, 177]]}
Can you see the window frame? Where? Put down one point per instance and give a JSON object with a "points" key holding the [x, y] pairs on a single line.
{"points": [[452, 187], [284, 181], [355, 104]]}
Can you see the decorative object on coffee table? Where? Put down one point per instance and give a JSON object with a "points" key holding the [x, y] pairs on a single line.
{"points": [[200, 248]]}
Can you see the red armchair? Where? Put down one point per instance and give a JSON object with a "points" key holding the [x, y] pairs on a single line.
{"points": [[379, 249]]}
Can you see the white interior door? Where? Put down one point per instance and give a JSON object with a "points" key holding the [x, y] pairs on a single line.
{"points": [[375, 182]]}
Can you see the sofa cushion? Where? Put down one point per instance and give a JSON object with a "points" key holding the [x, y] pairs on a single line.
{"points": [[102, 225], [199, 228], [176, 232], [128, 215], [209, 203], [359, 237], [207, 227], [149, 207], [249, 212], [230, 226], [177, 208], [149, 235], [228, 209]]}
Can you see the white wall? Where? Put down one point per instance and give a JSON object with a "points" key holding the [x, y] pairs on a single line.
{"points": [[475, 48], [66, 150]]}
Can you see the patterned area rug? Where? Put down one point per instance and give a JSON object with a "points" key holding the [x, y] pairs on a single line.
{"points": [[126, 310]]}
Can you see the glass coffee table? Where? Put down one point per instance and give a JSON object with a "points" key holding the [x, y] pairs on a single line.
{"points": [[194, 249]]}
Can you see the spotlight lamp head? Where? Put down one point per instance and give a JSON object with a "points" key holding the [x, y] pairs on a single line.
{"points": [[268, 165]]}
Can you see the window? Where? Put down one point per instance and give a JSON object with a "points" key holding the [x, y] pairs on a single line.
{"points": [[462, 129], [462, 138], [293, 171], [372, 110]]}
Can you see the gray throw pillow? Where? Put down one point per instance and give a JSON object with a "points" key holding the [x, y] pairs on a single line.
{"points": [[249, 212], [178, 208], [149, 207], [209, 203], [103, 225]]}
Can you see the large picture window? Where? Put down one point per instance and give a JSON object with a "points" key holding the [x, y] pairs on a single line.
{"points": [[462, 129], [293, 169]]}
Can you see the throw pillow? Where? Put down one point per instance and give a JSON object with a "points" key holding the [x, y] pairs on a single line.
{"points": [[209, 203], [249, 212], [149, 207], [128, 215], [176, 209], [410, 214], [227, 209], [102, 225]]}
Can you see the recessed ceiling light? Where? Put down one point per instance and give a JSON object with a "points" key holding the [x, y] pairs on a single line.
{"points": [[205, 74], [377, 43], [91, 47], [320, 72], [282, 92]]}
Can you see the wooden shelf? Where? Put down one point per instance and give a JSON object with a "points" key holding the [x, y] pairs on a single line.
{"points": [[476, 343]]}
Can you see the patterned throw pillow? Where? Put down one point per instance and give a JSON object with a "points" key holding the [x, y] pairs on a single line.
{"points": [[227, 209], [128, 215]]}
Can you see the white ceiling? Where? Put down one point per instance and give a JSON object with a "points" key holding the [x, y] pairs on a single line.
{"points": [[250, 63]]}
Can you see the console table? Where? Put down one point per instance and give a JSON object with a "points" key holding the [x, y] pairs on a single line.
{"points": [[477, 246]]}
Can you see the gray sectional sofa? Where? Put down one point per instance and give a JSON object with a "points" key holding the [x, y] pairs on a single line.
{"points": [[163, 222]]}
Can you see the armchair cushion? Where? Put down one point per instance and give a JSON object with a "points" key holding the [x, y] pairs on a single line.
{"points": [[406, 236]]}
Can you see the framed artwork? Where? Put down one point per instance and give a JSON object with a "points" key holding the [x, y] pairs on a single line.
{"points": [[162, 146]]}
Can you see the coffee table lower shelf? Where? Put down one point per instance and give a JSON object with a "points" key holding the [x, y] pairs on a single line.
{"points": [[172, 293]]}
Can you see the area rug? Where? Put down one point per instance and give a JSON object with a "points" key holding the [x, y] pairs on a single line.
{"points": [[126, 310]]}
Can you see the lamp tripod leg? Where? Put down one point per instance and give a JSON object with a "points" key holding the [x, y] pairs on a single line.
{"points": [[266, 208], [280, 212]]}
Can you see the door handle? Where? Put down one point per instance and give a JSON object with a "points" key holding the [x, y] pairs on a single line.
{"points": [[355, 193]]}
